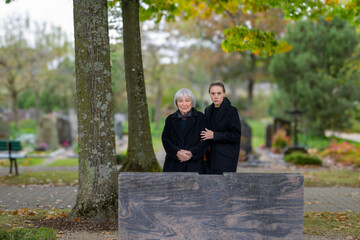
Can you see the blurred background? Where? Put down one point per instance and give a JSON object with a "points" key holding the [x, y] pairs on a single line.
{"points": [[313, 83]]}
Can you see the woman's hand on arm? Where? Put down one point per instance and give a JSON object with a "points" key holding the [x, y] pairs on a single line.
{"points": [[207, 134]]}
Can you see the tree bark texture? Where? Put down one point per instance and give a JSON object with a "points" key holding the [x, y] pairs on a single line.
{"points": [[250, 87], [140, 153], [97, 192]]}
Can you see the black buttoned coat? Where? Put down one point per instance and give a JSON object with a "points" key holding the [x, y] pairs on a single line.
{"points": [[175, 138], [225, 146]]}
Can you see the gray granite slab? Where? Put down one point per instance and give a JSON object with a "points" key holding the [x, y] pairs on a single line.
{"points": [[229, 206]]}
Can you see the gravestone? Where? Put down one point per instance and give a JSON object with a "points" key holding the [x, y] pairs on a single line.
{"points": [[73, 123], [4, 128], [268, 135], [47, 132], [119, 129], [64, 131], [193, 206], [245, 143], [280, 123], [119, 120]]}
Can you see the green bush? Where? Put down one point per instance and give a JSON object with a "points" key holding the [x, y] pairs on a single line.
{"points": [[24, 126], [302, 159], [28, 234], [120, 158]]}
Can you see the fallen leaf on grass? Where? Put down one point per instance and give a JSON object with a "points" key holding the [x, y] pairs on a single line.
{"points": [[51, 216]]}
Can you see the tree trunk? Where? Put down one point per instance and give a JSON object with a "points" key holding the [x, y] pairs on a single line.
{"points": [[140, 153], [250, 87], [97, 192], [15, 109]]}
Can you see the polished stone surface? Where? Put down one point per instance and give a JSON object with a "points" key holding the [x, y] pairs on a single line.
{"points": [[229, 206]]}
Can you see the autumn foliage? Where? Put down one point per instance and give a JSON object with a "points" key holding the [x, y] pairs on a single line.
{"points": [[345, 153], [280, 140]]}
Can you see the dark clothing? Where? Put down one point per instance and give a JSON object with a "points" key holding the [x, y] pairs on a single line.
{"points": [[225, 146], [175, 138], [213, 117]]}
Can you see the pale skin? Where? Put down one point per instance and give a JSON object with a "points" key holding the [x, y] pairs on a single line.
{"points": [[184, 105], [217, 95]]}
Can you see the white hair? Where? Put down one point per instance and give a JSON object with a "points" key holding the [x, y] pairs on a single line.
{"points": [[185, 92]]}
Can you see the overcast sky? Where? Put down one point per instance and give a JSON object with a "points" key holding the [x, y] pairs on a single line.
{"points": [[56, 12]]}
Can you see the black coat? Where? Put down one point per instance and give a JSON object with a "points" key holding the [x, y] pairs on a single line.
{"points": [[225, 146], [175, 138]]}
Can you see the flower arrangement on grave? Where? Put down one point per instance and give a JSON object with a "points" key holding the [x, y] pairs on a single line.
{"points": [[280, 140], [242, 155], [42, 146], [343, 152]]}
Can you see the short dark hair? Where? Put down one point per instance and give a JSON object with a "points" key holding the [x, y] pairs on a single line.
{"points": [[217, 83]]}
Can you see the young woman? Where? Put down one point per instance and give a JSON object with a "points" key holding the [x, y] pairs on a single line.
{"points": [[224, 132], [181, 136]]}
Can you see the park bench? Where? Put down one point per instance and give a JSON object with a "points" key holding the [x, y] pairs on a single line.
{"points": [[11, 150]]}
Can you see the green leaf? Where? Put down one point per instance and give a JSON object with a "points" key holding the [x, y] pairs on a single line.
{"points": [[241, 38]]}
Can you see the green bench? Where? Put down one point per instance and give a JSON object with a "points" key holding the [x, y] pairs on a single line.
{"points": [[10, 150]]}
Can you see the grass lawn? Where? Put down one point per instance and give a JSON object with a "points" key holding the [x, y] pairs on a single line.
{"points": [[16, 224], [23, 162], [343, 178], [258, 129], [19, 218], [70, 162], [39, 178], [339, 224], [332, 223]]}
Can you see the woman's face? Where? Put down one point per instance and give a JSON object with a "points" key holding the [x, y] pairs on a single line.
{"points": [[184, 104], [217, 95]]}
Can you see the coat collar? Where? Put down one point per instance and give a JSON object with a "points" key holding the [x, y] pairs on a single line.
{"points": [[224, 107], [190, 122], [194, 113]]}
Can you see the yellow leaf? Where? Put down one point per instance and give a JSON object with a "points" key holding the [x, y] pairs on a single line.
{"points": [[50, 216], [328, 18]]}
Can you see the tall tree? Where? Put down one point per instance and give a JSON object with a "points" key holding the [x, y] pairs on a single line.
{"points": [[140, 153], [97, 195], [310, 76], [237, 38], [15, 57]]}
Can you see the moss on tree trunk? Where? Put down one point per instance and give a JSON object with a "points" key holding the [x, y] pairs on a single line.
{"points": [[97, 192]]}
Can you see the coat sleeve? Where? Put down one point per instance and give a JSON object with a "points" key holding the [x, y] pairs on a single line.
{"points": [[170, 148], [200, 149], [232, 133]]}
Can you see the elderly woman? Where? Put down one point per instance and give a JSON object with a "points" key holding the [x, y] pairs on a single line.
{"points": [[224, 131], [181, 136]]}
